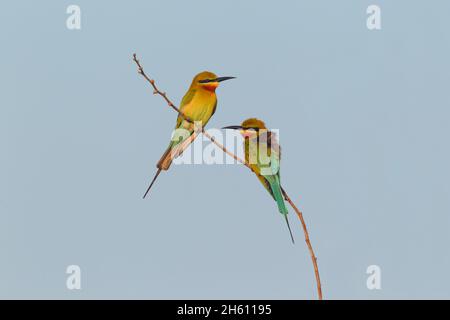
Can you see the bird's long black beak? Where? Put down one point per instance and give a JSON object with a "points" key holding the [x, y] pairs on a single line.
{"points": [[233, 127], [220, 79]]}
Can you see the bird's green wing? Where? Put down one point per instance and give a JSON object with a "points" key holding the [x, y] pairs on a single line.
{"points": [[273, 179], [274, 183], [275, 153], [275, 163]]}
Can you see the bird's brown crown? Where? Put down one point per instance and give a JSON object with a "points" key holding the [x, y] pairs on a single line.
{"points": [[253, 123], [205, 75]]}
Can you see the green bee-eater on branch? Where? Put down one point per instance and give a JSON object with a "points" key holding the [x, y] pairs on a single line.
{"points": [[198, 104], [262, 153]]}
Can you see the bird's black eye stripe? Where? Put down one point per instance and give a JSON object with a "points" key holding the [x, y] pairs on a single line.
{"points": [[252, 128], [206, 80]]}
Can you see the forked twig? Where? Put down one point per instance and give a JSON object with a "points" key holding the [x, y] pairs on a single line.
{"points": [[231, 154]]}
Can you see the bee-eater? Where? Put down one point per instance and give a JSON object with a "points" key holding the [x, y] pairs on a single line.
{"points": [[262, 153], [198, 104]]}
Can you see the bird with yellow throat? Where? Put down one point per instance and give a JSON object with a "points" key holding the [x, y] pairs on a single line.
{"points": [[198, 105]]}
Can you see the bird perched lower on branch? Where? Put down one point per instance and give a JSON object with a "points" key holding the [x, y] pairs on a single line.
{"points": [[262, 153]]}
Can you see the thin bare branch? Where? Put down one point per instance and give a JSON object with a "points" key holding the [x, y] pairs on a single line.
{"points": [[308, 242], [231, 154], [157, 91]]}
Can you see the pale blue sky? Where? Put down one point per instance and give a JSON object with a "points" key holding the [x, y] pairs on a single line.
{"points": [[364, 122]]}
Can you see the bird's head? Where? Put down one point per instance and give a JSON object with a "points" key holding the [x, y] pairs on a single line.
{"points": [[208, 81], [250, 127]]}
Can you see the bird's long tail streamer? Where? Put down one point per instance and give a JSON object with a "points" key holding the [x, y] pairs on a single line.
{"points": [[153, 181], [289, 227]]}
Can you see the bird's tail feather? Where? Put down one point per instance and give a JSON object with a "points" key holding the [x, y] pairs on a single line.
{"points": [[276, 191], [289, 227], [166, 159], [174, 151], [151, 184]]}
